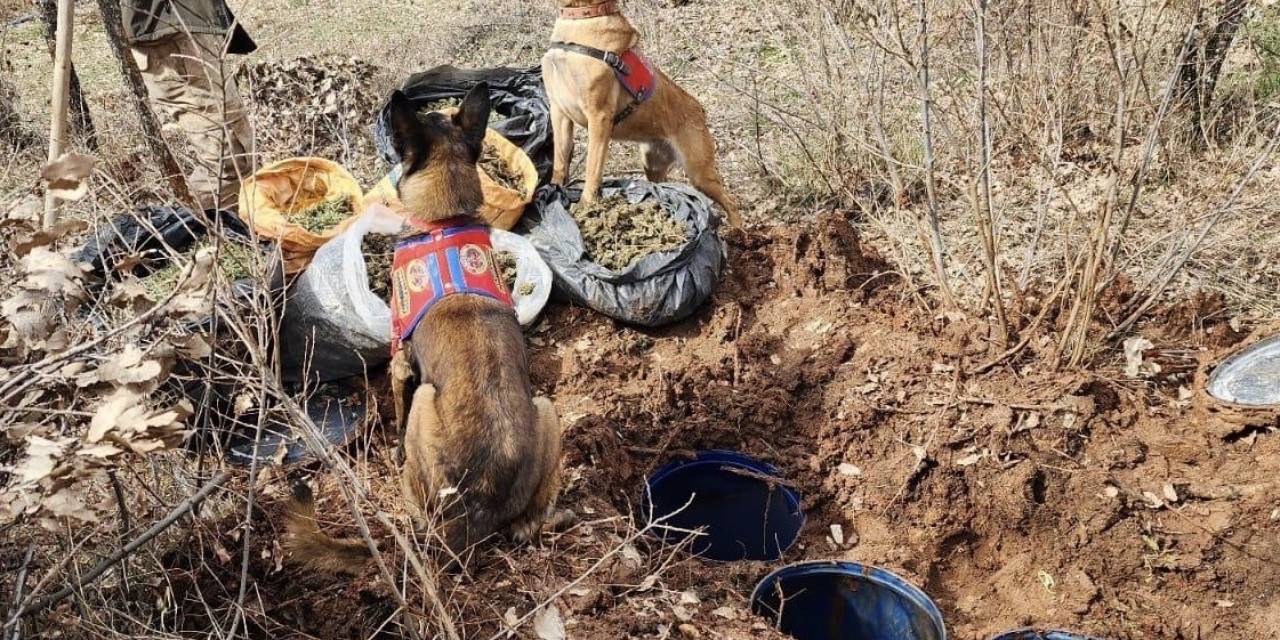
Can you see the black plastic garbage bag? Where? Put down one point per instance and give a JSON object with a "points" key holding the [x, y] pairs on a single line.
{"points": [[516, 94], [338, 411], [149, 228], [657, 289]]}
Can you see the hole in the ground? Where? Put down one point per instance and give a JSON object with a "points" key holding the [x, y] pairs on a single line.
{"points": [[1039, 486], [1248, 433], [741, 508], [835, 600]]}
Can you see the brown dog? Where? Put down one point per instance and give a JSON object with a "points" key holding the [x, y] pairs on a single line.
{"points": [[584, 90], [478, 448]]}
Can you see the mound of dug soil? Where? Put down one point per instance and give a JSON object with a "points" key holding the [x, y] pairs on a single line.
{"points": [[1017, 497]]}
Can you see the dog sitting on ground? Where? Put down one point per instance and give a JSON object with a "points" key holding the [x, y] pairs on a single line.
{"points": [[596, 79], [479, 450]]}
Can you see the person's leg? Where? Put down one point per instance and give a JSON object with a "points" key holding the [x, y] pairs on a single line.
{"points": [[189, 84]]}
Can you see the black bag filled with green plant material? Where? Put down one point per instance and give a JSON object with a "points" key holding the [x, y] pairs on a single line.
{"points": [[646, 254]]}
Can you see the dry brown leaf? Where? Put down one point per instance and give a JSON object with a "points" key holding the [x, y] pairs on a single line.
{"points": [[100, 451], [130, 293], [44, 237], [122, 407], [51, 272], [728, 613], [69, 503], [1134, 364], [548, 624], [40, 460], [28, 209], [129, 367], [193, 346], [67, 177]]}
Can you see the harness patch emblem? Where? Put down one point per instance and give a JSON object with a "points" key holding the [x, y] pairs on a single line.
{"points": [[474, 259], [416, 275]]}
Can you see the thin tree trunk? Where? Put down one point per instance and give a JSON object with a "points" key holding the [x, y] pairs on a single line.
{"points": [[936, 249], [150, 125], [1199, 78], [81, 120]]}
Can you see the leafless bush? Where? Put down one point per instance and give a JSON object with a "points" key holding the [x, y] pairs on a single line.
{"points": [[1052, 125]]}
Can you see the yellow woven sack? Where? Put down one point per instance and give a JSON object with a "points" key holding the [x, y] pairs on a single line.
{"points": [[502, 207], [276, 192]]}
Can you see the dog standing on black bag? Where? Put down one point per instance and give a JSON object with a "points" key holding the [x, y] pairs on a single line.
{"points": [[595, 78]]}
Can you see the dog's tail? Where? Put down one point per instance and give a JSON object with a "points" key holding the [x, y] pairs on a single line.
{"points": [[314, 549]]}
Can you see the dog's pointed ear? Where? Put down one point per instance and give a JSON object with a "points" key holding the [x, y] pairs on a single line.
{"points": [[473, 116], [406, 130]]}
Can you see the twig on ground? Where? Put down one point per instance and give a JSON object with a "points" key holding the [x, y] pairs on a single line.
{"points": [[124, 551], [19, 586], [126, 526], [632, 537]]}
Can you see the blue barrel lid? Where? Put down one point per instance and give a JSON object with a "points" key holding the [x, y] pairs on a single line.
{"points": [[838, 600]]}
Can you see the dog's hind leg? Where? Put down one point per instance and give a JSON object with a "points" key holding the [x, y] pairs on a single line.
{"points": [[659, 157], [562, 137], [698, 149], [418, 477], [541, 508]]}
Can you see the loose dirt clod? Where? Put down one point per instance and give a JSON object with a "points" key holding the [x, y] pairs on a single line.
{"points": [[500, 171], [379, 250], [326, 215], [618, 232]]}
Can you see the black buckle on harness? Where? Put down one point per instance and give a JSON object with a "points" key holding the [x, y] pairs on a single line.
{"points": [[614, 60], [608, 57]]}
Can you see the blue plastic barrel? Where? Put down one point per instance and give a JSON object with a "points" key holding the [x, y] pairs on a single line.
{"points": [[731, 499], [829, 600], [1037, 634]]}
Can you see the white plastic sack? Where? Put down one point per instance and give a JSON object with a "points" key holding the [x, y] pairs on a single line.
{"points": [[336, 327], [530, 269]]}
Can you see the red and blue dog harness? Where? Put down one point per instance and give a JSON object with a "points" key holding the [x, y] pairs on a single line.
{"points": [[634, 72], [453, 256]]}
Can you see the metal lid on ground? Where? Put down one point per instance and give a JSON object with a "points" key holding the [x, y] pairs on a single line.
{"points": [[1250, 377]]}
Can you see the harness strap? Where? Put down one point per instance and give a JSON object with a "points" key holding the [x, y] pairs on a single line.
{"points": [[608, 8], [610, 58]]}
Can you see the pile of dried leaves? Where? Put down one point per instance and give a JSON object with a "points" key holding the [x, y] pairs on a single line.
{"points": [[314, 105], [617, 232], [76, 400]]}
